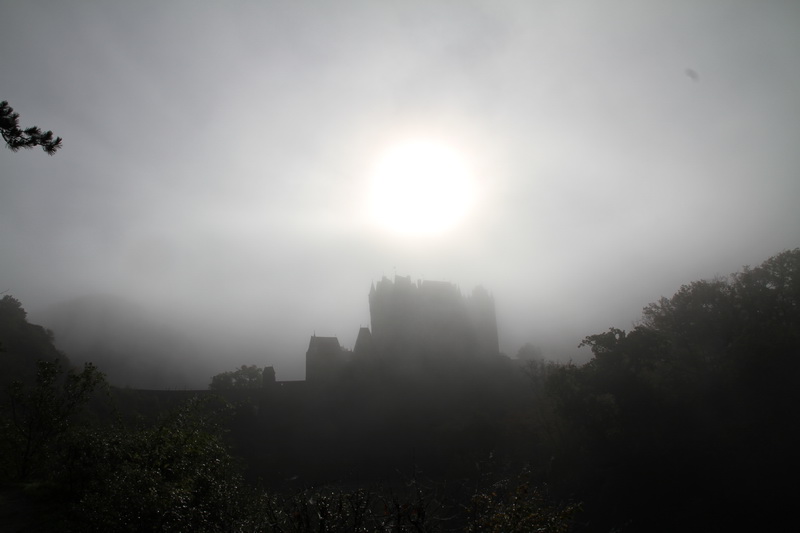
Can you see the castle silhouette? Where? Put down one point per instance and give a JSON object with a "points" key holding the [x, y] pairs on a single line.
{"points": [[412, 321]]}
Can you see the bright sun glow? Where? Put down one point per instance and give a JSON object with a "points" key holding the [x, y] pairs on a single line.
{"points": [[421, 187]]}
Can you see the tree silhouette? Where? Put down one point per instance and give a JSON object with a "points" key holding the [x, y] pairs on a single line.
{"points": [[246, 377], [34, 418], [685, 414], [17, 137]]}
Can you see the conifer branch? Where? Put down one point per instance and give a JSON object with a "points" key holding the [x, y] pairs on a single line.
{"points": [[27, 138]]}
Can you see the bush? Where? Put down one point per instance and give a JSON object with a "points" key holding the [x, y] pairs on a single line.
{"points": [[176, 475]]}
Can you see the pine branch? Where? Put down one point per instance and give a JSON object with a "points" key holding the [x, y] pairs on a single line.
{"points": [[28, 138]]}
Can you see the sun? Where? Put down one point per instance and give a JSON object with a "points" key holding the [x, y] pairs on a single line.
{"points": [[421, 187]]}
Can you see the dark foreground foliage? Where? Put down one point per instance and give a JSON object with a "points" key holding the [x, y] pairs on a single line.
{"points": [[690, 420], [177, 474], [510, 505], [39, 418]]}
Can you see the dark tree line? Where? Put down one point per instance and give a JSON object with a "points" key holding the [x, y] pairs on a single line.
{"points": [[244, 377], [690, 420]]}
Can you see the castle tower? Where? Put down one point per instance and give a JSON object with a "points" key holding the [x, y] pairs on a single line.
{"points": [[431, 318]]}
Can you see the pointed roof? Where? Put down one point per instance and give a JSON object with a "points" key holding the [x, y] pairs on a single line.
{"points": [[363, 342]]}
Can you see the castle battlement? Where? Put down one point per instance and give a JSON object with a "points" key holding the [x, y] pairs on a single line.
{"points": [[431, 318], [423, 319]]}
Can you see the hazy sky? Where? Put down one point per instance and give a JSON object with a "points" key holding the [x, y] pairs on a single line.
{"points": [[217, 157]]}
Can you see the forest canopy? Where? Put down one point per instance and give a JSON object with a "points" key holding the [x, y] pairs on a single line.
{"points": [[693, 413]]}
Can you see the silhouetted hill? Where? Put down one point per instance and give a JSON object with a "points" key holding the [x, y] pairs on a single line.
{"points": [[22, 343], [127, 343]]}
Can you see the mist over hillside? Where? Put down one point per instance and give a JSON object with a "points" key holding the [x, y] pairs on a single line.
{"points": [[132, 348], [138, 348], [143, 347]]}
